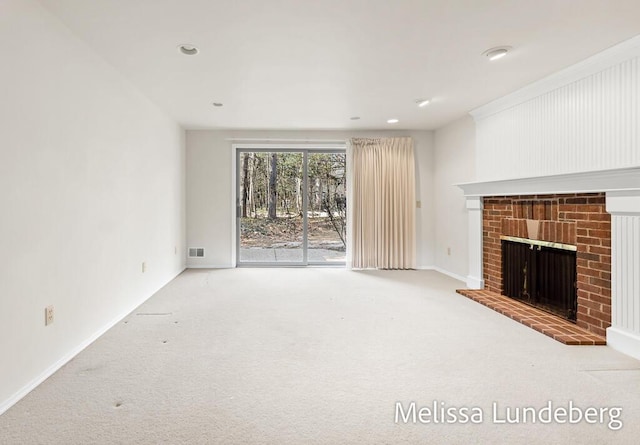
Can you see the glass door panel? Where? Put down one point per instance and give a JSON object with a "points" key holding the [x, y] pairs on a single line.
{"points": [[270, 207], [327, 207]]}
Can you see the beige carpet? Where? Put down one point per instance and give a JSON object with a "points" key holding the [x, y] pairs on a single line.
{"points": [[320, 356]]}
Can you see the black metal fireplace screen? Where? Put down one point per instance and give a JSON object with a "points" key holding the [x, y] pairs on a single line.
{"points": [[541, 274]]}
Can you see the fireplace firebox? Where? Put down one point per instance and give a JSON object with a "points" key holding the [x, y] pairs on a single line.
{"points": [[540, 273]]}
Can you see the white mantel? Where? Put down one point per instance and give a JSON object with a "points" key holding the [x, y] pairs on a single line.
{"points": [[584, 182], [622, 188]]}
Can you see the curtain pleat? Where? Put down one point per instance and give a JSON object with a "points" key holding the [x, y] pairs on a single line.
{"points": [[382, 207]]}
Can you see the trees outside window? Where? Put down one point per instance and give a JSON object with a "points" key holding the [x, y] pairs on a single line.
{"points": [[271, 194]]}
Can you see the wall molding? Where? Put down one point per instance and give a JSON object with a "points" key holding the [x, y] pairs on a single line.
{"points": [[624, 341], [15, 398], [609, 57], [624, 202], [622, 179], [474, 205], [210, 266], [455, 276]]}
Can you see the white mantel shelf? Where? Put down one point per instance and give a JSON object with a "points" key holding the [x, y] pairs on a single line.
{"points": [[623, 179]]}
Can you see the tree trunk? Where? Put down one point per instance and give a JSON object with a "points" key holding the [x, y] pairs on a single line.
{"points": [[251, 192], [299, 195], [273, 195], [245, 184]]}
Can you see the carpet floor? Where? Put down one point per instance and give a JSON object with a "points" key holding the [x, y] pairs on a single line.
{"points": [[327, 356]]}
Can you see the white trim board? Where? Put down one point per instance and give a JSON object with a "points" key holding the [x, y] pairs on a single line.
{"points": [[234, 201], [270, 140], [594, 64], [15, 398], [273, 146], [211, 266], [626, 342], [584, 182], [444, 272]]}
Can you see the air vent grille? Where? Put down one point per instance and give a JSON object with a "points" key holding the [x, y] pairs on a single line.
{"points": [[196, 252]]}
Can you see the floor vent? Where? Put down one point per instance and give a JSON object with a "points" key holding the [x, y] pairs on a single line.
{"points": [[196, 252]]}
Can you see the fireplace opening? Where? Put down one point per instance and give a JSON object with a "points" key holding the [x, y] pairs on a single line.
{"points": [[540, 273]]}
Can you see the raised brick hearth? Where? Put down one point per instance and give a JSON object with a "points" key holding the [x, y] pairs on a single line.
{"points": [[575, 219], [555, 327]]}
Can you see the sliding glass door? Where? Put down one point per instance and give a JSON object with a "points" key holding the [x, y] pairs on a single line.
{"points": [[290, 207]]}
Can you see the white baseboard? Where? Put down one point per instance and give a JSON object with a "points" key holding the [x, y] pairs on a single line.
{"points": [[210, 266], [624, 341], [6, 404], [474, 283], [444, 272]]}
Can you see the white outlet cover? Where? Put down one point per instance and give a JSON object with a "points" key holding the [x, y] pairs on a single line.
{"points": [[48, 315]]}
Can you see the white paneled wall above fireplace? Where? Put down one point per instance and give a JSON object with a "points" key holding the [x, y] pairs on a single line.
{"points": [[584, 118]]}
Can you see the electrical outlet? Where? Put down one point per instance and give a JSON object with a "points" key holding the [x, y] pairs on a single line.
{"points": [[48, 315], [448, 250], [419, 204], [144, 267]]}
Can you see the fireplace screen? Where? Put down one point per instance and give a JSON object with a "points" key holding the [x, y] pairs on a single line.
{"points": [[541, 274]]}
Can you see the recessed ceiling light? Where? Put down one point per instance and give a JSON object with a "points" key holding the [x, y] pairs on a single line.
{"points": [[423, 102], [355, 118], [217, 104], [188, 49], [393, 121], [496, 53]]}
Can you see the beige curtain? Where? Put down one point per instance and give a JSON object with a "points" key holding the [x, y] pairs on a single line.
{"points": [[382, 207]]}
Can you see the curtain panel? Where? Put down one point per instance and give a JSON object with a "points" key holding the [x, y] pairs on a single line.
{"points": [[382, 203]]}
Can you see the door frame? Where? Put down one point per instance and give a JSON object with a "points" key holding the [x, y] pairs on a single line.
{"points": [[305, 149]]}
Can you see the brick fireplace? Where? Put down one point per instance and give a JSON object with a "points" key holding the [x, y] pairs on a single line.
{"points": [[579, 220], [598, 213]]}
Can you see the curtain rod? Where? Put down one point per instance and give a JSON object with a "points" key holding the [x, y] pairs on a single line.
{"points": [[340, 141]]}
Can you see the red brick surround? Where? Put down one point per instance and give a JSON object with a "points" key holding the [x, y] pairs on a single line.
{"points": [[576, 219]]}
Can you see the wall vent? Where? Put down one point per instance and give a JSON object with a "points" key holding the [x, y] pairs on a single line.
{"points": [[196, 252]]}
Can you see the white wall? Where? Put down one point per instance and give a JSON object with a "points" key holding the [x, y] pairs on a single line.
{"points": [[91, 185], [455, 164], [210, 194], [584, 118]]}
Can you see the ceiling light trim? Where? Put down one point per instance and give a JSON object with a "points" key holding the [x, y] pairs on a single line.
{"points": [[497, 52], [188, 49]]}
